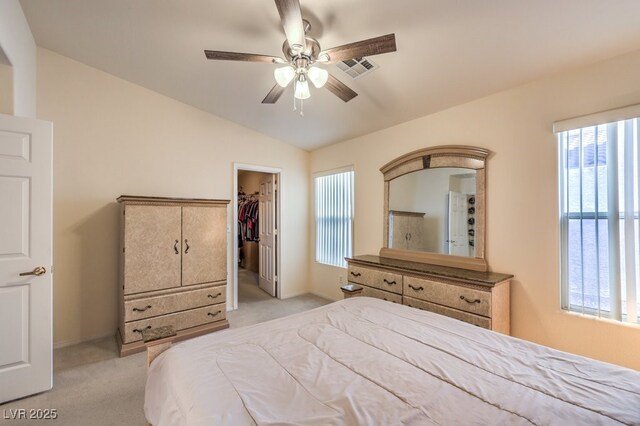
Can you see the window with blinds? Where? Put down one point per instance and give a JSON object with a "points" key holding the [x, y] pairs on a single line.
{"points": [[334, 216], [599, 187]]}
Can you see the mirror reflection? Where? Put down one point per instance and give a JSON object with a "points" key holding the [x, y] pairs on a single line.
{"points": [[433, 210]]}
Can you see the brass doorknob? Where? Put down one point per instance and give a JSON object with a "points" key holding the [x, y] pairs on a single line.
{"points": [[39, 270]]}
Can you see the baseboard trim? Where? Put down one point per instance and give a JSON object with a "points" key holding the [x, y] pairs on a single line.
{"points": [[296, 294], [63, 344], [324, 296]]}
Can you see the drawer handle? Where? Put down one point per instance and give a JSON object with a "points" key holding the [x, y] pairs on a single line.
{"points": [[389, 282], [469, 300], [214, 315], [142, 309], [135, 330], [214, 297], [416, 288], [186, 243], [175, 247], [356, 274]]}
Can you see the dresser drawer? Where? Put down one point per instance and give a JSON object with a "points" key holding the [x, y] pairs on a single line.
{"points": [[375, 278], [154, 306], [179, 321], [455, 296], [452, 313], [381, 294]]}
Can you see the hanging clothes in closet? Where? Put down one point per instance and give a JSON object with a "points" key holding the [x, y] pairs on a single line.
{"points": [[248, 217]]}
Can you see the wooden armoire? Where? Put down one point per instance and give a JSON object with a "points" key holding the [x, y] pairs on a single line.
{"points": [[173, 267]]}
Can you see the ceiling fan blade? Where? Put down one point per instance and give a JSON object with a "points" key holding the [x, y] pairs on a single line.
{"points": [[370, 47], [291, 18], [274, 94], [246, 57], [340, 89]]}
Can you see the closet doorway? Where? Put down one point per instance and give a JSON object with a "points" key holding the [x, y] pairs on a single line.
{"points": [[256, 225]]}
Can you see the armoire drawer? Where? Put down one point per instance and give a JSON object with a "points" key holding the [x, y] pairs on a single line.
{"points": [[452, 313], [179, 321], [381, 294], [159, 305], [383, 280], [455, 296]]}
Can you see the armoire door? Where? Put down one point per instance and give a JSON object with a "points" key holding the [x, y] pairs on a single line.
{"points": [[204, 255], [152, 243], [415, 225]]}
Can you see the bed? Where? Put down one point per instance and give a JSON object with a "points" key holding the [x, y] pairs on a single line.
{"points": [[367, 361]]}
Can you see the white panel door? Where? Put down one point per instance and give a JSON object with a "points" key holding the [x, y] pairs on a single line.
{"points": [[266, 225], [458, 240], [25, 248]]}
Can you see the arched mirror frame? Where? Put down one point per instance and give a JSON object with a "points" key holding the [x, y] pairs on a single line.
{"points": [[468, 157]]}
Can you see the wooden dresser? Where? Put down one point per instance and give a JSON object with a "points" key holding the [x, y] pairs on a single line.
{"points": [[479, 298], [173, 268]]}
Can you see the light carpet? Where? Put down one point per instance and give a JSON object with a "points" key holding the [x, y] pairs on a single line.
{"points": [[93, 386]]}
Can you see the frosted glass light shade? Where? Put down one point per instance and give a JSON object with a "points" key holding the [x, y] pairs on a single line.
{"points": [[318, 76], [284, 75], [302, 90]]}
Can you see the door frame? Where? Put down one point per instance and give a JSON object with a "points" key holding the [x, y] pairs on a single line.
{"points": [[279, 224]]}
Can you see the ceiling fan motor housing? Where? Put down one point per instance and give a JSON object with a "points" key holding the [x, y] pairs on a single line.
{"points": [[311, 51]]}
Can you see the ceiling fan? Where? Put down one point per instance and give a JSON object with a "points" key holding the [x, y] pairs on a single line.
{"points": [[302, 53]]}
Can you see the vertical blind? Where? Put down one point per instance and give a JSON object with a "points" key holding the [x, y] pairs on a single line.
{"points": [[599, 187], [334, 217]]}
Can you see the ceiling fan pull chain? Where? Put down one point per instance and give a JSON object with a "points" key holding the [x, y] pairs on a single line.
{"points": [[294, 102], [301, 107]]}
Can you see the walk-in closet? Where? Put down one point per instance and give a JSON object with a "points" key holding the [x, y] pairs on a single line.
{"points": [[257, 233]]}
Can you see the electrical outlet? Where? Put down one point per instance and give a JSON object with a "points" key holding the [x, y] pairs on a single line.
{"points": [[341, 280]]}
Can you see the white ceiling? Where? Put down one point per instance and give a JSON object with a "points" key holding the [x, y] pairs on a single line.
{"points": [[449, 52]]}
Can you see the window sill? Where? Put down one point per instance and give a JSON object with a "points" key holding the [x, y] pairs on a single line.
{"points": [[589, 317], [328, 265]]}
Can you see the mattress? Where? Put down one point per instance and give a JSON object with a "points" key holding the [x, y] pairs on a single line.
{"points": [[367, 361]]}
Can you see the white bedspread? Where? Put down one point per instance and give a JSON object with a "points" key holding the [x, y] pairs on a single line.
{"points": [[366, 361]]}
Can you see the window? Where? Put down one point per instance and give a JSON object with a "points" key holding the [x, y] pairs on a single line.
{"points": [[599, 186], [334, 216]]}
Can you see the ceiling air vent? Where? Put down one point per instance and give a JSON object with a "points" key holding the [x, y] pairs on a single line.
{"points": [[357, 67]]}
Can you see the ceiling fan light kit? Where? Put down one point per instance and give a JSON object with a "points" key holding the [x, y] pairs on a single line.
{"points": [[301, 52], [302, 89], [318, 76], [284, 75]]}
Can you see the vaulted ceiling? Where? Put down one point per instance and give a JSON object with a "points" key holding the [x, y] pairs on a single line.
{"points": [[449, 52]]}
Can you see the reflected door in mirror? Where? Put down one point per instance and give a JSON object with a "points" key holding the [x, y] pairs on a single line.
{"points": [[458, 239]]}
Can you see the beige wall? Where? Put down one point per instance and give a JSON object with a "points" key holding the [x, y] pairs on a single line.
{"points": [[112, 137], [522, 227], [250, 181], [19, 48]]}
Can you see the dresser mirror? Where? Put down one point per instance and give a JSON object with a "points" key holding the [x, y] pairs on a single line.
{"points": [[434, 207]]}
